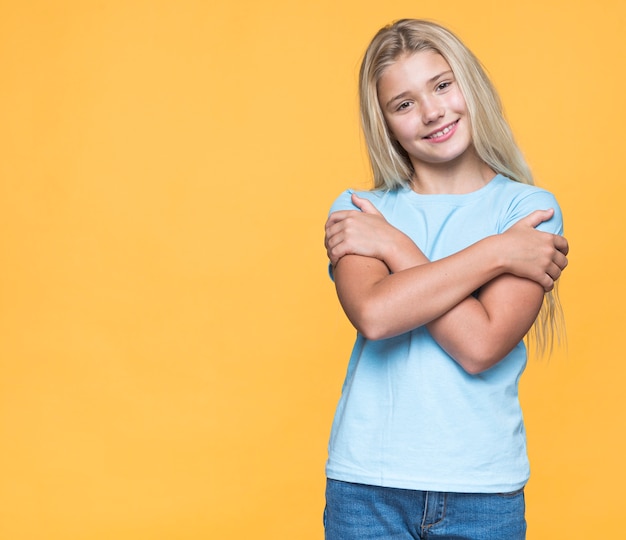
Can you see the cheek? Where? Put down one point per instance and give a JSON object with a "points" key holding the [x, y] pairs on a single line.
{"points": [[392, 129], [399, 130], [457, 101]]}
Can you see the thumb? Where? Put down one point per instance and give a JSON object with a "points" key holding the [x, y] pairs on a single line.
{"points": [[364, 205], [537, 217]]}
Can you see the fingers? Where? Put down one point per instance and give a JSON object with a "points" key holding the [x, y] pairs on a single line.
{"points": [[364, 205], [338, 216], [336, 223], [332, 244], [355, 231], [560, 260], [554, 272], [335, 233], [335, 237], [337, 246], [537, 217], [555, 269], [547, 283], [562, 244]]}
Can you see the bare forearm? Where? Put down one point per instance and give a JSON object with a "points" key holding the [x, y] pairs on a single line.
{"points": [[382, 305], [511, 269], [479, 332]]}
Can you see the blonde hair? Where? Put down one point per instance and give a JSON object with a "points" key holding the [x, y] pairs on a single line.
{"points": [[491, 135]]}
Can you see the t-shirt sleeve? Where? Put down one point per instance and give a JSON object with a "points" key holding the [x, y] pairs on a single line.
{"points": [[343, 202], [539, 199]]}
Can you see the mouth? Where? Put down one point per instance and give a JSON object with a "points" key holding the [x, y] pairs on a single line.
{"points": [[442, 132]]}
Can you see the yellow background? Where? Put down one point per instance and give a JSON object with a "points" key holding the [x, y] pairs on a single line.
{"points": [[171, 349]]}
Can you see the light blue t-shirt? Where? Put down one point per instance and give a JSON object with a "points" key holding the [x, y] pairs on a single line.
{"points": [[409, 416]]}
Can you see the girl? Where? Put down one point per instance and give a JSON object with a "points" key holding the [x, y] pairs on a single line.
{"points": [[442, 269]]}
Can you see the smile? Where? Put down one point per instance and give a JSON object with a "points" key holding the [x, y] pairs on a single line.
{"points": [[443, 132]]}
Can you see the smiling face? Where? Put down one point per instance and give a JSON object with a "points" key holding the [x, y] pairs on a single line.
{"points": [[425, 111]]}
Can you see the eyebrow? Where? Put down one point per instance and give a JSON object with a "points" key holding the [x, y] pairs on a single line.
{"points": [[429, 81]]}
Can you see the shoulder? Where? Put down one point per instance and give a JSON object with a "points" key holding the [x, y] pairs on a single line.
{"points": [[379, 198], [519, 200], [517, 191]]}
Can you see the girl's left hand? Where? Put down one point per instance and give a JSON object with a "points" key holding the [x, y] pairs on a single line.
{"points": [[366, 232]]}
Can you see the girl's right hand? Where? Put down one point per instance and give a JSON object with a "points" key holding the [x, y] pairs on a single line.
{"points": [[366, 232], [533, 254]]}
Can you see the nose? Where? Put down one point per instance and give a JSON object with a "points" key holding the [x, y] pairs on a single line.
{"points": [[431, 110]]}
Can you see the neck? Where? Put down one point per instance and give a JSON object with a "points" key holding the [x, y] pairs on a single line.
{"points": [[453, 178]]}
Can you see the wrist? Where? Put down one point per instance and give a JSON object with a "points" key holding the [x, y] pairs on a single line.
{"points": [[402, 254], [496, 254]]}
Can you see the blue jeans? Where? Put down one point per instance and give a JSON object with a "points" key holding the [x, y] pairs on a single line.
{"points": [[360, 512]]}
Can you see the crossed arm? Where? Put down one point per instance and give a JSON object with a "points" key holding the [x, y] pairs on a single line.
{"points": [[511, 271]]}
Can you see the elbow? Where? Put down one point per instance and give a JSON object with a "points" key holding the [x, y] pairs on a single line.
{"points": [[475, 367], [479, 358], [371, 323], [371, 330], [372, 333]]}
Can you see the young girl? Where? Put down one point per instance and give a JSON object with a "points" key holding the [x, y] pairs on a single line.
{"points": [[442, 269]]}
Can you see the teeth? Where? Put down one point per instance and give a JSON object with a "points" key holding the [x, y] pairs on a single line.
{"points": [[440, 133]]}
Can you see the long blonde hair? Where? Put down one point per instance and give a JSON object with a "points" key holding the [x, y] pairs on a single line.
{"points": [[491, 135]]}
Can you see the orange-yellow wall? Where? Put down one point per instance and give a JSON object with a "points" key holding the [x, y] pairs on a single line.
{"points": [[171, 350]]}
